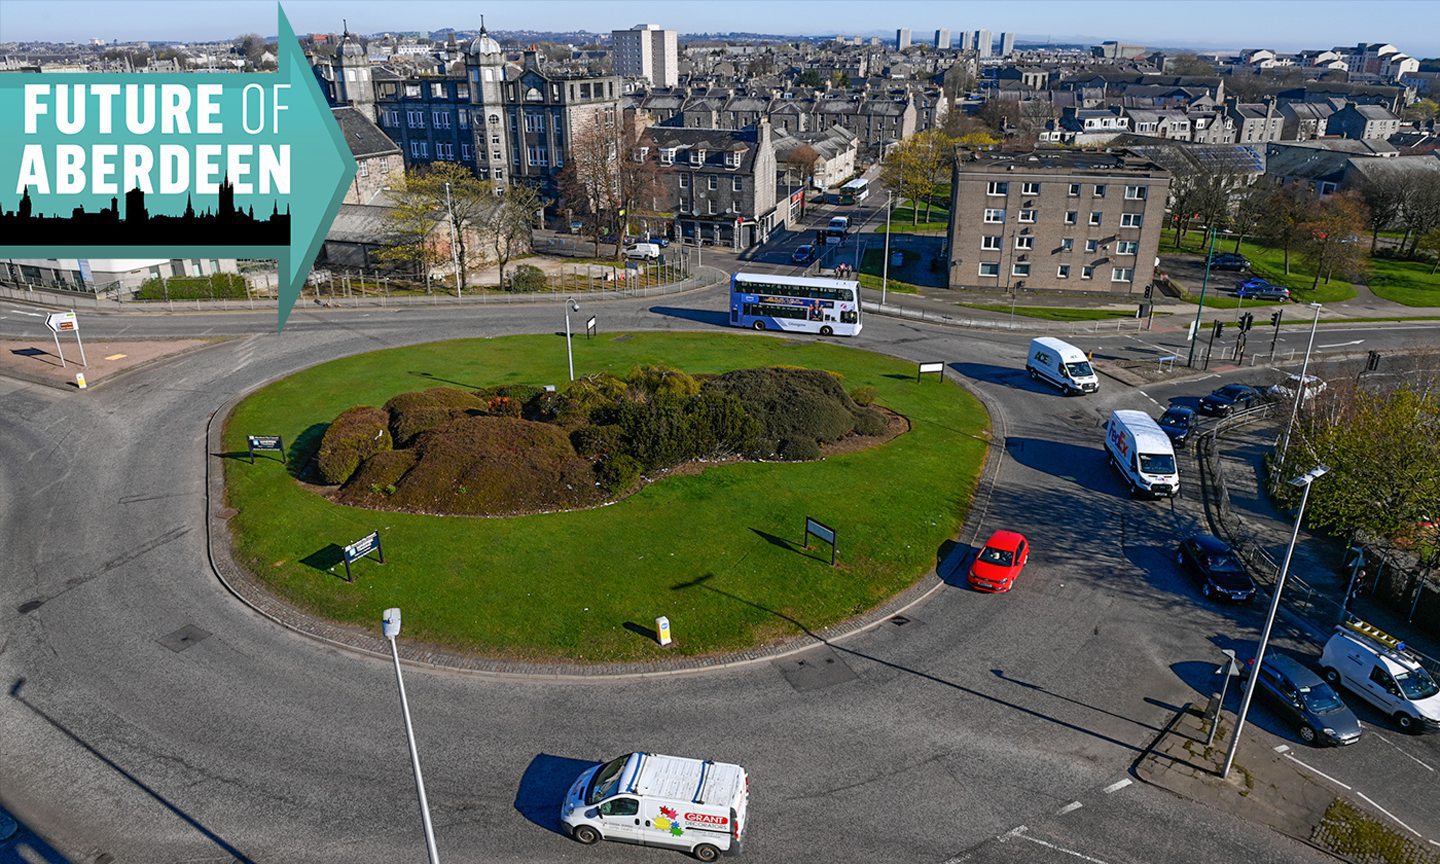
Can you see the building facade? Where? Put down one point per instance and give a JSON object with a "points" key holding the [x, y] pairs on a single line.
{"points": [[647, 51], [1055, 220], [942, 39], [377, 157], [719, 184]]}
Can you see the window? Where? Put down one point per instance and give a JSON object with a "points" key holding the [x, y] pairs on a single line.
{"points": [[994, 216], [363, 169], [392, 118], [710, 205], [684, 181], [1027, 215], [415, 119], [440, 119], [537, 156], [620, 807], [1127, 247], [412, 91], [990, 241], [444, 150], [713, 184], [1135, 193], [464, 119], [1087, 272], [1062, 272], [1092, 245], [534, 122], [1074, 190], [1099, 190], [437, 91], [737, 184], [732, 159], [1094, 217], [640, 154], [1131, 220], [497, 155], [466, 153], [1122, 274], [1071, 217], [1067, 245], [420, 149], [997, 188], [513, 121], [495, 138], [1020, 268], [1030, 188], [697, 156], [462, 91], [990, 268], [1026, 242], [667, 155]]}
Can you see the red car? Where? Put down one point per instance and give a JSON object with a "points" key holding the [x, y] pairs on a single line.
{"points": [[998, 564]]}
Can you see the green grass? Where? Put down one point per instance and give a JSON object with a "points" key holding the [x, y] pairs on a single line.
{"points": [[217, 286], [1267, 262], [1054, 313], [1409, 283], [898, 227], [872, 273], [717, 551]]}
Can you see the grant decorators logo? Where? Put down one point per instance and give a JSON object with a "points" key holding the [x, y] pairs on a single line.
{"points": [[142, 165]]}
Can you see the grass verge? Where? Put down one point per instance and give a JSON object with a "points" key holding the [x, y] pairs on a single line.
{"points": [[1054, 313]]}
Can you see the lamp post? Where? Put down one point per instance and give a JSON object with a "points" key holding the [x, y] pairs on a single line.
{"points": [[454, 251], [390, 625], [1204, 283], [570, 306], [1302, 482], [1300, 386], [885, 265]]}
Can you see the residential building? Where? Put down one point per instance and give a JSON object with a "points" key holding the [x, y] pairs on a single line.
{"points": [[647, 51], [377, 157], [1363, 122], [834, 151], [718, 183], [967, 40], [902, 38], [984, 42], [1255, 123], [1302, 121], [1007, 44], [942, 39], [1113, 50], [1055, 220]]}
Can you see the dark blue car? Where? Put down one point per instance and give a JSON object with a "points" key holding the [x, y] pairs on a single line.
{"points": [[1304, 700], [1177, 421]]}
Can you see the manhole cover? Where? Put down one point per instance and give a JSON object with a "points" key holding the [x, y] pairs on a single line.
{"points": [[184, 638], [815, 669]]}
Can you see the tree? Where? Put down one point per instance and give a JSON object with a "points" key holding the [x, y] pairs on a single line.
{"points": [[1199, 193], [1420, 209], [809, 78], [803, 160], [958, 80], [910, 169], [959, 125], [410, 227], [469, 202], [1384, 193], [1422, 111], [936, 154], [608, 173], [1286, 210], [509, 224], [1329, 238], [840, 79], [1188, 64], [1249, 209], [1001, 115], [1430, 242]]}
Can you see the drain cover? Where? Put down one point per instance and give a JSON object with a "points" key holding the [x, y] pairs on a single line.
{"points": [[186, 637], [815, 669]]}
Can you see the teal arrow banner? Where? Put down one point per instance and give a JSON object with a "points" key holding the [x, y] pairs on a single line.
{"points": [[207, 165]]}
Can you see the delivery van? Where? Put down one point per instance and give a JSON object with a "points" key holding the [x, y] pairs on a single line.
{"points": [[840, 223], [1142, 453], [648, 251], [1375, 666], [1062, 365], [692, 805]]}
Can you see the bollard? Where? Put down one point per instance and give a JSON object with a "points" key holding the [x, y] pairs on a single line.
{"points": [[662, 631]]}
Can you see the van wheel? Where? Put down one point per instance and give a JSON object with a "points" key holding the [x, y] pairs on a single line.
{"points": [[585, 834], [1307, 735], [759, 325], [1332, 676], [1406, 723], [827, 331], [706, 852]]}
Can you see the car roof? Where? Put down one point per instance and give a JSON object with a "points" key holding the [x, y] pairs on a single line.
{"points": [[1006, 540], [1180, 409], [1299, 674], [1210, 543]]}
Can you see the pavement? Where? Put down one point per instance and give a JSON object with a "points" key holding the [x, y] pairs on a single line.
{"points": [[37, 362]]}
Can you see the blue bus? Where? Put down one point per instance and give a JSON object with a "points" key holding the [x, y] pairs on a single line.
{"points": [[795, 304]]}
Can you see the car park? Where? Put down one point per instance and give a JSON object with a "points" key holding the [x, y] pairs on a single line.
{"points": [[999, 562], [1259, 289], [1229, 398], [1285, 390], [1230, 261], [1378, 668], [1306, 702], [803, 254], [1177, 422], [1213, 564]]}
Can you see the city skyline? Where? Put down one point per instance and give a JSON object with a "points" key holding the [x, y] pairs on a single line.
{"points": [[1273, 25]]}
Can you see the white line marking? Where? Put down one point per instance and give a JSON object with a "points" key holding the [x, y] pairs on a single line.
{"points": [[1401, 749], [1116, 787], [1341, 344], [1082, 856], [1432, 843], [1388, 813], [31, 314], [1069, 808], [1281, 748], [1321, 773]]}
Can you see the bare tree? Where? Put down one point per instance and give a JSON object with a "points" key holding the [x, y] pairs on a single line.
{"points": [[1384, 194], [1249, 209], [610, 173], [1329, 237], [509, 224], [1420, 209], [1288, 207]]}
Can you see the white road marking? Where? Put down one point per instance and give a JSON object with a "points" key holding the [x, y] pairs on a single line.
{"points": [[1281, 748], [1069, 808], [1388, 813], [31, 314], [1020, 833], [1321, 773], [1341, 344], [1401, 749], [1433, 843], [1151, 398], [1116, 787]]}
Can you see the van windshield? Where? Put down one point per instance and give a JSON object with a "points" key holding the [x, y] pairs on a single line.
{"points": [[1417, 684], [1157, 463], [1079, 370], [606, 780]]}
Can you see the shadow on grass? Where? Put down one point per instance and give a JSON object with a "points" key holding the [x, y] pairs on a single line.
{"points": [[436, 378], [324, 559], [543, 786], [818, 553], [302, 454], [641, 630], [244, 455]]}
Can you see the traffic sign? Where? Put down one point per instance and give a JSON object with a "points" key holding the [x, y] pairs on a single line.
{"points": [[62, 322]]}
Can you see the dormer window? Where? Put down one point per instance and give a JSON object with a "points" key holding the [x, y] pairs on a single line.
{"points": [[667, 155], [641, 153], [732, 159], [697, 157]]}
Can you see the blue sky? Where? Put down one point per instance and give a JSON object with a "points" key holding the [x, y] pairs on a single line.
{"points": [[1412, 25]]}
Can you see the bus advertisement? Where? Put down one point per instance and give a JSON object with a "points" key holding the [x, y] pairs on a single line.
{"points": [[795, 304]]}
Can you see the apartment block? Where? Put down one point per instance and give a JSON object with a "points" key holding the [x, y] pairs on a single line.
{"points": [[647, 51]]}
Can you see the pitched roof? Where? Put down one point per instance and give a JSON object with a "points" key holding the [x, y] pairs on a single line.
{"points": [[362, 136]]}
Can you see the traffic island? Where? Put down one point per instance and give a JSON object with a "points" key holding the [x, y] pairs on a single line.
{"points": [[38, 362]]}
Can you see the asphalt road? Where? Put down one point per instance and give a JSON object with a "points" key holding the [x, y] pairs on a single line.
{"points": [[956, 736]]}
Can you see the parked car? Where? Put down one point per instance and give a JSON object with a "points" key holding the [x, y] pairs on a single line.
{"points": [[1259, 289], [999, 562], [648, 251], [1216, 567], [1177, 421], [803, 254], [1300, 697], [658, 241], [1230, 261], [1286, 389], [1230, 397]]}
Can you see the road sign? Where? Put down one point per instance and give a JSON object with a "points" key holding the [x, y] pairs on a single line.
{"points": [[928, 368], [662, 631], [822, 532], [266, 442], [361, 548], [62, 322]]}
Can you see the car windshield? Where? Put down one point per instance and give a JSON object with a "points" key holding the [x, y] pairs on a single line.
{"points": [[1233, 391], [1223, 562], [1320, 699], [605, 781], [1417, 684], [1173, 418], [1079, 370], [1157, 463], [1002, 557]]}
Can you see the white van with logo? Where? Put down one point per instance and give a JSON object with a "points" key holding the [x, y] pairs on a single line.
{"points": [[693, 805], [1062, 365], [1142, 453], [1375, 666]]}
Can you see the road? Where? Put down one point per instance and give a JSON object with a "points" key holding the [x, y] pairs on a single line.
{"points": [[955, 735]]}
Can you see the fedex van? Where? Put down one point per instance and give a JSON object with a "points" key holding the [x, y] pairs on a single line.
{"points": [[1062, 365], [1142, 453], [693, 805]]}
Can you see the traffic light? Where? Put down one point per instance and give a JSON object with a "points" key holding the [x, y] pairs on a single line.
{"points": [[1372, 361], [1149, 291], [1219, 328], [1246, 322], [1275, 317]]}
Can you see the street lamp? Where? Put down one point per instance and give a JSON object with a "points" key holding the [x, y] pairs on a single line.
{"points": [[1204, 283], [570, 306], [1300, 385], [1304, 482], [390, 625], [885, 265]]}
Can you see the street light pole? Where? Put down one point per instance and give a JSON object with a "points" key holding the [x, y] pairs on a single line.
{"points": [[1300, 386], [570, 306], [390, 625], [454, 252], [1304, 482], [1204, 283], [885, 265]]}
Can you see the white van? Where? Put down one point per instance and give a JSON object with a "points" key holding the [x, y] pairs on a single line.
{"points": [[1062, 365], [840, 223], [1142, 453], [648, 251], [1376, 667], [693, 805]]}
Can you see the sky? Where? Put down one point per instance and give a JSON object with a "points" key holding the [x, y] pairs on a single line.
{"points": [[1411, 25]]}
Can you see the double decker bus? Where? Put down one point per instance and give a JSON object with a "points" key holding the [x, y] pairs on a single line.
{"points": [[795, 304], [855, 191]]}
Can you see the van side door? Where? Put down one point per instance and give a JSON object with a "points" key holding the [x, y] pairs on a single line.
{"points": [[1383, 688], [662, 825], [620, 819]]}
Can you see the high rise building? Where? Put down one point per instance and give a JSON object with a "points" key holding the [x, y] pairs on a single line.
{"points": [[647, 51], [942, 39], [967, 40], [1007, 44], [984, 41], [902, 38]]}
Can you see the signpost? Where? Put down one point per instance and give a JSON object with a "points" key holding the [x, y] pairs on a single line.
{"points": [[927, 368], [361, 548], [822, 532], [590, 328], [266, 442], [1230, 670], [65, 322]]}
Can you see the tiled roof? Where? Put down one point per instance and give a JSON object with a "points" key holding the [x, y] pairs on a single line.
{"points": [[363, 137]]}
